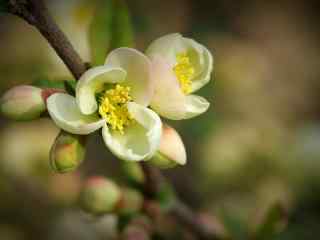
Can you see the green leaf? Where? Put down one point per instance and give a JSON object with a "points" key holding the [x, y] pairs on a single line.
{"points": [[122, 27], [45, 83], [70, 87], [100, 31], [67, 85], [110, 28]]}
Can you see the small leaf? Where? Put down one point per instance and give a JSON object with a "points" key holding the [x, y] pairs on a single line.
{"points": [[45, 83], [100, 31], [67, 85], [122, 27], [70, 87], [110, 28]]}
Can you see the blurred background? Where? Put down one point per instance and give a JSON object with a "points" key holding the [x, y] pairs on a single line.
{"points": [[257, 146]]}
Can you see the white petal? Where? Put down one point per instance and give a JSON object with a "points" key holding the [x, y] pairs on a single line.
{"points": [[140, 140], [168, 99], [138, 68], [169, 46], [65, 113], [166, 47], [195, 105], [93, 81], [202, 61]]}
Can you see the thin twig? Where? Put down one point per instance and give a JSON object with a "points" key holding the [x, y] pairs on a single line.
{"points": [[153, 182], [36, 14]]}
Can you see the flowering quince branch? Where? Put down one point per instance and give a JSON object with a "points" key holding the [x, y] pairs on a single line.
{"points": [[36, 13], [183, 65]]}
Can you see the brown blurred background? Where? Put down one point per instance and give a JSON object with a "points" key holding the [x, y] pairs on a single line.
{"points": [[259, 143]]}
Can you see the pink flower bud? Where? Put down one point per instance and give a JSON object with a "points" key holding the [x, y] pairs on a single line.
{"points": [[171, 151], [67, 152], [100, 196], [22, 103]]}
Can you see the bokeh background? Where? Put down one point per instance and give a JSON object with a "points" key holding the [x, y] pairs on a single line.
{"points": [[257, 146]]}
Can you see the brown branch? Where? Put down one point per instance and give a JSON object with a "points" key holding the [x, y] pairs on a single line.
{"points": [[36, 14], [154, 180]]}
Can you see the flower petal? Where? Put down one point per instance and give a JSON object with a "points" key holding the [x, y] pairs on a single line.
{"points": [[166, 47], [195, 105], [169, 46], [138, 68], [93, 81], [66, 114], [140, 140], [168, 99], [202, 61]]}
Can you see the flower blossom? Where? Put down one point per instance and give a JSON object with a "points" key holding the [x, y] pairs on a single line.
{"points": [[113, 97], [180, 66]]}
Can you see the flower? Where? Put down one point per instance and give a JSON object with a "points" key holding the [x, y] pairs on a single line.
{"points": [[115, 97], [180, 66]]}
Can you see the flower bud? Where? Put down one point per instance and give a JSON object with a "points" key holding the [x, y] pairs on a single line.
{"points": [[171, 151], [67, 152], [133, 172], [131, 201], [22, 103], [99, 196]]}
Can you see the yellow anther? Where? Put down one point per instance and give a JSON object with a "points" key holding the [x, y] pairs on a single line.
{"points": [[112, 107], [184, 72]]}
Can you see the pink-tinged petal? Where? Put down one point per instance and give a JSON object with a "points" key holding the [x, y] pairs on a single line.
{"points": [[138, 68], [168, 99], [93, 81], [170, 46], [64, 111]]}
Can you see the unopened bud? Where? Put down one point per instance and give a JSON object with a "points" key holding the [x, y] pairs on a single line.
{"points": [[100, 196], [133, 172], [67, 152], [131, 201], [23, 103], [171, 151]]}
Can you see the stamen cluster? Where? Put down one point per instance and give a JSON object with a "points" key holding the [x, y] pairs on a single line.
{"points": [[113, 107], [184, 72]]}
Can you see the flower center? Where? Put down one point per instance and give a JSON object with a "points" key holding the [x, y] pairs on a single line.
{"points": [[184, 72], [113, 107]]}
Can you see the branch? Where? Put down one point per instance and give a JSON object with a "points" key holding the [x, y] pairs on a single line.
{"points": [[182, 212], [36, 14]]}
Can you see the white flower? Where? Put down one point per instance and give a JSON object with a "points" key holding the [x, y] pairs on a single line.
{"points": [[180, 66], [115, 97]]}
